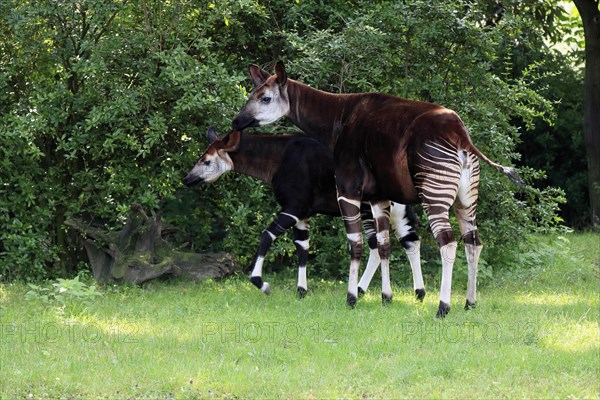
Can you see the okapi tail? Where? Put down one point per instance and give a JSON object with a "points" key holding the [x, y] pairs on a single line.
{"points": [[508, 171]]}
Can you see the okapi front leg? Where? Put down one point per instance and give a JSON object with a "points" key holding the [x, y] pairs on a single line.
{"points": [[373, 262], [302, 244], [381, 214], [282, 223], [350, 210]]}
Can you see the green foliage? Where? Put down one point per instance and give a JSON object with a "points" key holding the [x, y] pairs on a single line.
{"points": [[250, 208], [91, 132], [558, 147], [71, 293], [329, 247], [105, 104]]}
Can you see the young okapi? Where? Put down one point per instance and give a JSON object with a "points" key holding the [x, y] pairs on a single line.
{"points": [[385, 148], [300, 171]]}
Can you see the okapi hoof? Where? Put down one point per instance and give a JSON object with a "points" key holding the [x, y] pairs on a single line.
{"points": [[443, 310], [301, 292], [361, 292], [470, 305], [266, 288], [420, 294], [351, 300], [386, 299]]}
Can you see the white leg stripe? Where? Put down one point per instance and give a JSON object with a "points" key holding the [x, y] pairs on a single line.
{"points": [[291, 216], [257, 270], [302, 225], [448, 253], [414, 258], [472, 253], [273, 237], [397, 210], [349, 201], [372, 265], [379, 209], [353, 278], [386, 287], [302, 243], [302, 277], [398, 220], [383, 237], [354, 237], [351, 219]]}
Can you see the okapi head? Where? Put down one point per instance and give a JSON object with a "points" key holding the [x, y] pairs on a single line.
{"points": [[215, 160], [269, 100]]}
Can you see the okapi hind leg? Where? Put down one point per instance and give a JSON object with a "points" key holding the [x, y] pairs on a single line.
{"points": [[302, 244], [473, 251], [466, 211], [282, 222], [473, 247], [438, 170], [350, 210]]}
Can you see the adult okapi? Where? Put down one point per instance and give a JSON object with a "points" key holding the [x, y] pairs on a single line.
{"points": [[385, 148], [300, 171]]}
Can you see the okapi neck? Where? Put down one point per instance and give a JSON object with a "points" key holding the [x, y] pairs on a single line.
{"points": [[258, 156], [319, 114]]}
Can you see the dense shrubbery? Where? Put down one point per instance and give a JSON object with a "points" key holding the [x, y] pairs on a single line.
{"points": [[106, 104]]}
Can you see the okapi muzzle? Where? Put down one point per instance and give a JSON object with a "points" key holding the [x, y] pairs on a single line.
{"points": [[192, 179], [244, 120]]}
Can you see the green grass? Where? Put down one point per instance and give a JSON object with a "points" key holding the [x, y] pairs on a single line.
{"points": [[535, 334]]}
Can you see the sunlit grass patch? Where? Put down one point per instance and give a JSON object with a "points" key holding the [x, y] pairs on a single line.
{"points": [[4, 294], [549, 299], [574, 337], [93, 325]]}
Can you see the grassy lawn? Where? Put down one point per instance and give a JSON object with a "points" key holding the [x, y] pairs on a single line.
{"points": [[535, 334]]}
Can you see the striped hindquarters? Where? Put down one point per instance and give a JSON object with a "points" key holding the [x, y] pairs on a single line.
{"points": [[437, 176]]}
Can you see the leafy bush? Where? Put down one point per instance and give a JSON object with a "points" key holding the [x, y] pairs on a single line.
{"points": [[68, 293], [105, 104]]}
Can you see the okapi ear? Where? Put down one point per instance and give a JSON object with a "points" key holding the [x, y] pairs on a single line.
{"points": [[232, 142], [281, 74], [258, 75], [212, 134]]}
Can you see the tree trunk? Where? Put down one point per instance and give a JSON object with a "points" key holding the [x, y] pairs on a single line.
{"points": [[590, 16], [138, 253]]}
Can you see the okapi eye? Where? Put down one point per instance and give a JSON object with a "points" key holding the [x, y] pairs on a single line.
{"points": [[206, 162], [265, 99]]}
